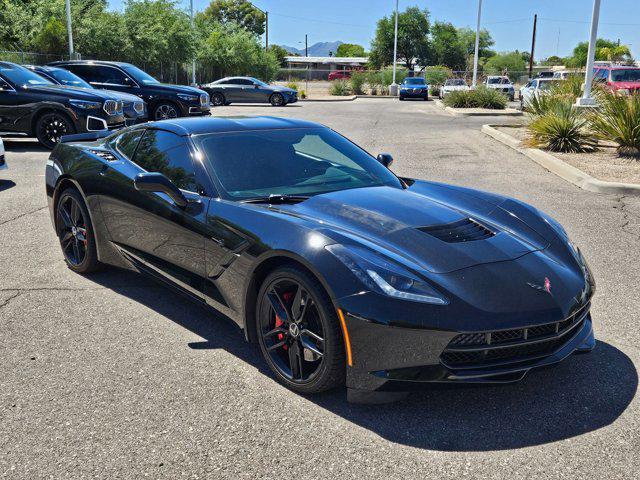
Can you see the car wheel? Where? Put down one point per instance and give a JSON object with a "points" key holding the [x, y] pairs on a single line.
{"points": [[218, 99], [277, 100], [50, 127], [165, 111], [512, 98], [299, 333], [401, 99], [75, 232]]}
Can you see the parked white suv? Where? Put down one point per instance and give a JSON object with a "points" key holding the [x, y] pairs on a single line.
{"points": [[452, 85], [535, 87], [502, 84]]}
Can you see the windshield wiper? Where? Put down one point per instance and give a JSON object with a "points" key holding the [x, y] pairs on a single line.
{"points": [[277, 198]]}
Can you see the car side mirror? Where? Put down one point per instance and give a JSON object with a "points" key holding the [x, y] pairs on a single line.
{"points": [[385, 159], [157, 182]]}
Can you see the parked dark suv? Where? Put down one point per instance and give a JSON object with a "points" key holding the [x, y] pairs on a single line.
{"points": [[135, 110], [32, 105], [163, 100]]}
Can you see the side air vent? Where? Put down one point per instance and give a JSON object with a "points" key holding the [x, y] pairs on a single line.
{"points": [[465, 230], [108, 156]]}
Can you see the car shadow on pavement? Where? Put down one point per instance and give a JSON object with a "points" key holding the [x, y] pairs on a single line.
{"points": [[582, 394], [22, 144], [6, 185]]}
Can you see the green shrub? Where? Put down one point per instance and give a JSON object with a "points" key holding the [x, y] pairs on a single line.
{"points": [[434, 90], [437, 75], [480, 97], [293, 85], [374, 80], [542, 103], [561, 129], [303, 93], [357, 81], [387, 76], [571, 87], [339, 88], [618, 119]]}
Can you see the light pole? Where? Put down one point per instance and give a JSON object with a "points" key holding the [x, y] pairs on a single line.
{"points": [[477, 49], [393, 88], [193, 61], [68, 7], [586, 100]]}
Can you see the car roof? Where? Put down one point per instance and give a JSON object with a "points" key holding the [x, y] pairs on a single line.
{"points": [[43, 68], [617, 67], [202, 125], [89, 62]]}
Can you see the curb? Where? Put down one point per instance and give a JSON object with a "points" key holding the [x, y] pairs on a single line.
{"points": [[386, 97], [479, 112], [562, 169], [348, 98]]}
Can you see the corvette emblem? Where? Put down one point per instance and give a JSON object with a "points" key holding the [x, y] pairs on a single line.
{"points": [[542, 288]]}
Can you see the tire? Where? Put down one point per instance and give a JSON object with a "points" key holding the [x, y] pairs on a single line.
{"points": [[166, 111], [50, 127], [218, 99], [75, 232], [512, 98], [290, 356], [401, 99], [277, 100], [426, 98]]}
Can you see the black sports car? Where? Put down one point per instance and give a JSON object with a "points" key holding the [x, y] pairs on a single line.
{"points": [[337, 268], [248, 90]]}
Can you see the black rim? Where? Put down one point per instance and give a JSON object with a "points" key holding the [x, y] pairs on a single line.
{"points": [[218, 99], [166, 111], [52, 128], [291, 331], [72, 230], [277, 99]]}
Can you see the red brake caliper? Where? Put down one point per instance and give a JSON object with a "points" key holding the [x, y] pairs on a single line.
{"points": [[279, 321]]}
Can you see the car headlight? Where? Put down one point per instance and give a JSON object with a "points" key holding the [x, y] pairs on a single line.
{"points": [[138, 107], [383, 276], [188, 98], [86, 105]]}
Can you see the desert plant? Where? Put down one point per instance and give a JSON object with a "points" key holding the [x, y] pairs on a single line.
{"points": [[357, 81], [339, 88], [373, 79], [618, 120], [437, 75], [387, 76], [434, 90], [293, 85], [480, 97], [542, 103], [562, 129], [302, 93], [572, 86]]}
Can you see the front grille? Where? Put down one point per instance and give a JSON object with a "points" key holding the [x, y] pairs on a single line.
{"points": [[113, 107], [484, 349], [116, 126], [465, 230]]}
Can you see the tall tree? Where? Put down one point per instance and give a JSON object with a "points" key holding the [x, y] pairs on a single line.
{"points": [[350, 50], [509, 62], [413, 39], [446, 48], [604, 49], [240, 12]]}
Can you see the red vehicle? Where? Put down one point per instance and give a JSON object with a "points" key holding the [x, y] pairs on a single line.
{"points": [[340, 74], [619, 78]]}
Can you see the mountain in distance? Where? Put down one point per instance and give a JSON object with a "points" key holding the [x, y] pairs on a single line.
{"points": [[319, 49]]}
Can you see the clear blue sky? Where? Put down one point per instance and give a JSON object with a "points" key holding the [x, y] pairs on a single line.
{"points": [[561, 23]]}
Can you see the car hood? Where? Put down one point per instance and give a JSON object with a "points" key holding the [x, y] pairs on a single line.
{"points": [[169, 88], [455, 87], [77, 93], [400, 222], [126, 97], [500, 85]]}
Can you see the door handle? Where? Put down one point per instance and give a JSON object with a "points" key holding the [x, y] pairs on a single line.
{"points": [[219, 241]]}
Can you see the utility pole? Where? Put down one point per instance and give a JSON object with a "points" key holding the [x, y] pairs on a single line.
{"points": [[306, 45], [475, 55], [68, 7], [533, 45], [266, 31], [193, 61], [393, 88], [586, 100]]}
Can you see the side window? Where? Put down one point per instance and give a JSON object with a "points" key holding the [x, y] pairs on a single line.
{"points": [[4, 85], [601, 74], [111, 75], [127, 142], [169, 154], [86, 72], [243, 81]]}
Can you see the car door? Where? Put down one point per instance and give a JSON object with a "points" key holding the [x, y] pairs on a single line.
{"points": [[16, 107], [149, 228], [256, 93], [234, 90]]}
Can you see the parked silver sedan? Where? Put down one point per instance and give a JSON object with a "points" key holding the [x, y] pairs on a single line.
{"points": [[248, 90]]}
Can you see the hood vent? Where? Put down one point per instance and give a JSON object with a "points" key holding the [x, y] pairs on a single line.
{"points": [[108, 156], [465, 230]]}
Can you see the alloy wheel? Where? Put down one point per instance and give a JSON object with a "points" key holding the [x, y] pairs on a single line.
{"points": [[72, 230], [277, 100], [165, 111], [291, 331], [52, 129], [218, 99]]}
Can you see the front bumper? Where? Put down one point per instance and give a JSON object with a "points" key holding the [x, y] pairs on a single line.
{"points": [[413, 94], [397, 358], [195, 109]]}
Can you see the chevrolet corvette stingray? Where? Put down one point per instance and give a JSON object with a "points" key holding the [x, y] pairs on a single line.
{"points": [[341, 271]]}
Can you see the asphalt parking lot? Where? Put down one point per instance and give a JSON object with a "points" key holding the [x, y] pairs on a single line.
{"points": [[112, 376]]}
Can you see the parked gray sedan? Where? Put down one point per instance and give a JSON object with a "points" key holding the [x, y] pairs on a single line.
{"points": [[248, 90]]}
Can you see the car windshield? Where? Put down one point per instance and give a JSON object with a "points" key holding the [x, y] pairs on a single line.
{"points": [[22, 76], [454, 82], [140, 76], [65, 77], [498, 81], [545, 85], [300, 162], [413, 81], [626, 75], [259, 82]]}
